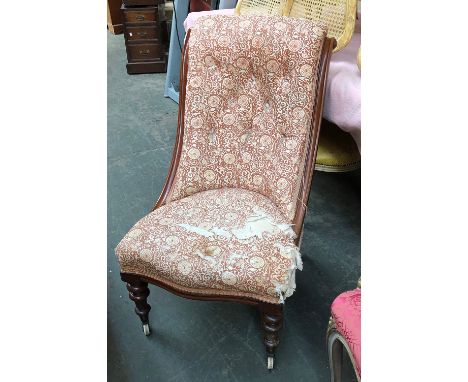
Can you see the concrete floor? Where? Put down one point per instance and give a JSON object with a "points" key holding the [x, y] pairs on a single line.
{"points": [[213, 341]]}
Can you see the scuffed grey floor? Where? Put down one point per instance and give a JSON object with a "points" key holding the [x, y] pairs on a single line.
{"points": [[213, 341]]}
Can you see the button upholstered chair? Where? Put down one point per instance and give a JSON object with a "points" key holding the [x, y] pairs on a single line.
{"points": [[228, 221]]}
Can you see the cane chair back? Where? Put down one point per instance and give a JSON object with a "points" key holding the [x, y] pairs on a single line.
{"points": [[260, 7], [338, 15]]}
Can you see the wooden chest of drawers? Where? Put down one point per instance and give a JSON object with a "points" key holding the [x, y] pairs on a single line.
{"points": [[145, 37]]}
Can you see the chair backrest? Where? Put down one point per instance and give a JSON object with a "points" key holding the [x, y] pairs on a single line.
{"points": [[338, 15], [260, 7], [250, 108]]}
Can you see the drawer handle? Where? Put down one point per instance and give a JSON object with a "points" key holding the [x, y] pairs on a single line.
{"points": [[142, 34], [140, 17], [145, 52]]}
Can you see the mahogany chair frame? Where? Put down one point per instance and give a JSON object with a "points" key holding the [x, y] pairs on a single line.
{"points": [[271, 314]]}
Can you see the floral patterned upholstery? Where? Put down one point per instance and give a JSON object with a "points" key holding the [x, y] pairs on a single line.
{"points": [[346, 312], [226, 225], [224, 241], [251, 86]]}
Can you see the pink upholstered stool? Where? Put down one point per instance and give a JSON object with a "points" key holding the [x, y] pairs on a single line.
{"points": [[344, 330]]}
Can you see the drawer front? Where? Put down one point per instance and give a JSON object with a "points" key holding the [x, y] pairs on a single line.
{"points": [[141, 15], [133, 3], [141, 52], [146, 67], [143, 33]]}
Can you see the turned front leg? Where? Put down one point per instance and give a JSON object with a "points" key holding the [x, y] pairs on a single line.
{"points": [[138, 292], [272, 322]]}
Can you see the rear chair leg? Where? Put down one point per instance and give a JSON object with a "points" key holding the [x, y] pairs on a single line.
{"points": [[138, 293], [272, 322]]}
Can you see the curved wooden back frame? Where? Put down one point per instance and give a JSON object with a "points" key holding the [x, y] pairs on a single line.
{"points": [[180, 127], [312, 144]]}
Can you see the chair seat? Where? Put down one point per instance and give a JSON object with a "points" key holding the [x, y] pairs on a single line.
{"points": [[227, 241], [346, 312], [337, 150]]}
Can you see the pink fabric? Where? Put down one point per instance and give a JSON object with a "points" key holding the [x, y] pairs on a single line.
{"points": [[346, 312], [342, 104]]}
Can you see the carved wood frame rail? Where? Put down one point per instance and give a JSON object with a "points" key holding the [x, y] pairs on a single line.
{"points": [[271, 314]]}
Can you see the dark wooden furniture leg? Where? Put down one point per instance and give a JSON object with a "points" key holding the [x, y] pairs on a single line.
{"points": [[138, 292], [272, 322]]}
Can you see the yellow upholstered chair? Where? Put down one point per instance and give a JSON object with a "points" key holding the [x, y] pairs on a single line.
{"points": [[337, 150]]}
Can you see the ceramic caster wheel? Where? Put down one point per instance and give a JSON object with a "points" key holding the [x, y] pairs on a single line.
{"points": [[146, 329], [270, 361]]}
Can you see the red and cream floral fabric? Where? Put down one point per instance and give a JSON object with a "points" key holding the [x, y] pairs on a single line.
{"points": [[251, 86], [224, 241]]}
